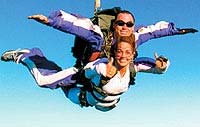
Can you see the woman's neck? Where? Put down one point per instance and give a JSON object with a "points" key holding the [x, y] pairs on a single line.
{"points": [[122, 70]]}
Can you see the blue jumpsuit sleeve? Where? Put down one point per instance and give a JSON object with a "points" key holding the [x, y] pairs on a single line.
{"points": [[148, 65], [78, 26], [145, 61], [160, 29]]}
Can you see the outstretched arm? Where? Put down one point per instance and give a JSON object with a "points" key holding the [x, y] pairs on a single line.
{"points": [[73, 24], [158, 65], [160, 29], [66, 22]]}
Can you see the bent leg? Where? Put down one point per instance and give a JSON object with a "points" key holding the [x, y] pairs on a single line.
{"points": [[46, 73], [50, 78]]}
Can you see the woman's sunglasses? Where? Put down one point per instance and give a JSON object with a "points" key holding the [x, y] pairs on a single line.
{"points": [[122, 23]]}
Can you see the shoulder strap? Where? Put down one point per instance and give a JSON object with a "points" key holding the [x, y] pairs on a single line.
{"points": [[132, 74]]}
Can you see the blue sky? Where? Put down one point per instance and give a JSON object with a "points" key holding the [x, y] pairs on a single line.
{"points": [[168, 100]]}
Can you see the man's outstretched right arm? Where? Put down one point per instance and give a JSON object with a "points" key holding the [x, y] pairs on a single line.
{"points": [[73, 24]]}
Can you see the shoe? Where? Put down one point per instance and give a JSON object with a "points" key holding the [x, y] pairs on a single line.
{"points": [[13, 55]]}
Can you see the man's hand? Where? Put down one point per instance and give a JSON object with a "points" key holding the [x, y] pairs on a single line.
{"points": [[187, 30], [161, 62], [111, 70], [39, 18]]}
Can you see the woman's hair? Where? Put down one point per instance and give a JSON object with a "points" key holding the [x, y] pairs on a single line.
{"points": [[128, 39]]}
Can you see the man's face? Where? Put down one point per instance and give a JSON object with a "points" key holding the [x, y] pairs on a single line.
{"points": [[124, 24]]}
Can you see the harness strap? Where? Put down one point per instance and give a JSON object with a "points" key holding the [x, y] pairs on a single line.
{"points": [[83, 99], [84, 102], [91, 87], [101, 92], [132, 74], [106, 47]]}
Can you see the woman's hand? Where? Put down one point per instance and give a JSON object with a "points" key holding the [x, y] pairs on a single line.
{"points": [[111, 70], [161, 62]]}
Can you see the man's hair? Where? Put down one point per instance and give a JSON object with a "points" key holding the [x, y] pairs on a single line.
{"points": [[120, 12], [125, 12]]}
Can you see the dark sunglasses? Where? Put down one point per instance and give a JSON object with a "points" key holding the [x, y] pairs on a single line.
{"points": [[121, 23]]}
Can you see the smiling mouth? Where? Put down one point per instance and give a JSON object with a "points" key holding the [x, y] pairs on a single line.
{"points": [[122, 61], [123, 32]]}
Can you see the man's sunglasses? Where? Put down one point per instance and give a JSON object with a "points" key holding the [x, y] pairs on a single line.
{"points": [[122, 23]]}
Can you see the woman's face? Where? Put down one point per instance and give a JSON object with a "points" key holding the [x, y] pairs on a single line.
{"points": [[123, 54]]}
